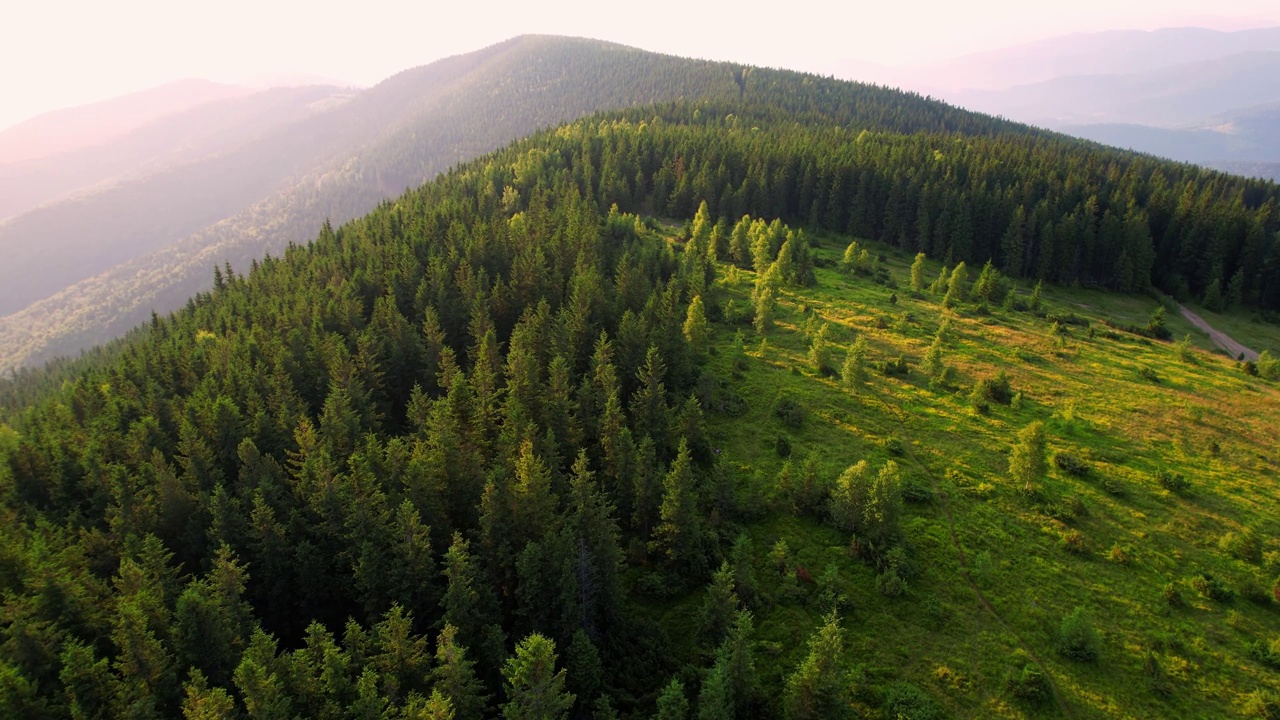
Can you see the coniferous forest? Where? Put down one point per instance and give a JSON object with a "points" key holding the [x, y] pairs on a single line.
{"points": [[445, 460]]}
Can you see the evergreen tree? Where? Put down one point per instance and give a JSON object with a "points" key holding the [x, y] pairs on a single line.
{"points": [[853, 372], [917, 273], [1027, 463], [817, 688], [678, 537], [672, 702], [957, 287], [696, 330], [454, 677], [535, 690], [720, 606]]}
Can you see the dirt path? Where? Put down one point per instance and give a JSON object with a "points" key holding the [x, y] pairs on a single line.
{"points": [[1221, 339]]}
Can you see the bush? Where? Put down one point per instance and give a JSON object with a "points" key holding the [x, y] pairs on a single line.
{"points": [[905, 701], [789, 412], [1073, 542], [897, 366], [1173, 482], [1266, 653], [1173, 596], [1028, 684], [1077, 640], [1212, 588], [1157, 681], [916, 490], [782, 446], [1148, 374], [1244, 545], [1070, 464], [890, 583], [1262, 704], [894, 447], [996, 389]]}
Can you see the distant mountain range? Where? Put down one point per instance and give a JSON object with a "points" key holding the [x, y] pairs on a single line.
{"points": [[88, 125], [1188, 94], [84, 269]]}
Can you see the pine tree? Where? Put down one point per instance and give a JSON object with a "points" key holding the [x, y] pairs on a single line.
{"points": [[535, 690], [957, 288], [917, 273], [720, 606], [853, 372], [1027, 463], [820, 351], [678, 535], [454, 677], [672, 702], [696, 330], [817, 690]]}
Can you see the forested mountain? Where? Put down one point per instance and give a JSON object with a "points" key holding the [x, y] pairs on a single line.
{"points": [[476, 450], [85, 126]]}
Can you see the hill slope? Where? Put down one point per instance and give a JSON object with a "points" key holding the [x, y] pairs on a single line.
{"points": [[504, 417], [150, 243]]}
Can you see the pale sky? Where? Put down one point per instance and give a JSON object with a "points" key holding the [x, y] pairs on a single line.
{"points": [[59, 53]]}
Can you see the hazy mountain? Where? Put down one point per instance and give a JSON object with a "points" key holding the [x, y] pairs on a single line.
{"points": [[1115, 52], [1175, 96], [1250, 136], [157, 237], [207, 129], [87, 125]]}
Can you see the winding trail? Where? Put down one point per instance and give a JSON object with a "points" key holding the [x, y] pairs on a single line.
{"points": [[1219, 338]]}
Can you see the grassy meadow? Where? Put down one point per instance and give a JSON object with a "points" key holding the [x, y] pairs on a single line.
{"points": [[992, 568]]}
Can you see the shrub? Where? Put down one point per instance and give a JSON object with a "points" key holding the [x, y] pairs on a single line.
{"points": [[782, 446], [1266, 653], [905, 701], [1157, 681], [897, 366], [1077, 640], [894, 447], [890, 583], [1244, 545], [1029, 684], [1173, 482], [1268, 366], [1071, 464], [789, 412], [996, 389], [1119, 555], [916, 490], [1148, 374], [1073, 542], [1173, 596], [1212, 588], [1262, 704]]}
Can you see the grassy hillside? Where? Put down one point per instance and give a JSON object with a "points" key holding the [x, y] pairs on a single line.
{"points": [[995, 568]]}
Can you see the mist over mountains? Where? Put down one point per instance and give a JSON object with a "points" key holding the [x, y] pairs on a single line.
{"points": [[1189, 94]]}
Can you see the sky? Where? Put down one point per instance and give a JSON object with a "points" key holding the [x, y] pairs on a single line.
{"points": [[61, 53]]}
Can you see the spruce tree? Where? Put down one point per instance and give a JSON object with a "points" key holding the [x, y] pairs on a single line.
{"points": [[535, 690], [1027, 463], [917, 273]]}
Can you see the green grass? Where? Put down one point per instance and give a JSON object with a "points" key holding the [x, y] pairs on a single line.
{"points": [[994, 580]]}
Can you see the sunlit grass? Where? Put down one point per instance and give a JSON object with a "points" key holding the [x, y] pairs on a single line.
{"points": [[1128, 407]]}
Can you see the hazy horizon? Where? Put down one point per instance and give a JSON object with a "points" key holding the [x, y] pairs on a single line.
{"points": [[99, 52]]}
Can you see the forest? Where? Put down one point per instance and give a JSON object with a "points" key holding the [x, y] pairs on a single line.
{"points": [[431, 464]]}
